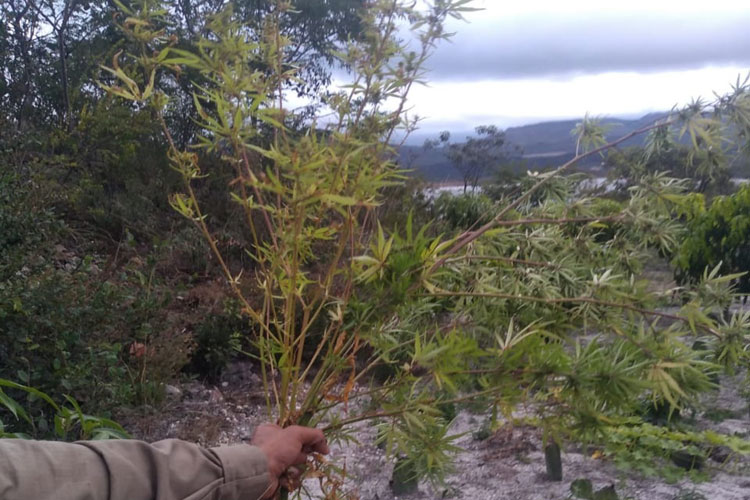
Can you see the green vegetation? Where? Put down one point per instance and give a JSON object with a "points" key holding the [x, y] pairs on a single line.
{"points": [[531, 296], [717, 238], [63, 422]]}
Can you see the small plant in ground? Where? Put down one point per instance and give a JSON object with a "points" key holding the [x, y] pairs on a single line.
{"points": [[218, 339], [670, 453], [584, 490], [717, 239], [65, 422]]}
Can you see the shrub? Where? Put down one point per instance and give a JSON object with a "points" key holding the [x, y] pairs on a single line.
{"points": [[463, 211], [64, 422], [715, 237], [67, 325], [217, 340]]}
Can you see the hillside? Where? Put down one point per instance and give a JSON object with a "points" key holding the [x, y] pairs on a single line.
{"points": [[545, 144]]}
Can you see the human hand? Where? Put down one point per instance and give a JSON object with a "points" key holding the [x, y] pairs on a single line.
{"points": [[285, 448]]}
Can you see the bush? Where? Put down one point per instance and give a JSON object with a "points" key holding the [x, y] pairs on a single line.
{"points": [[64, 422], [717, 236], [463, 211], [66, 325], [217, 339]]}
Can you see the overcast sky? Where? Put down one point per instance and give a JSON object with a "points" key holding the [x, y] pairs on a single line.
{"points": [[526, 61]]}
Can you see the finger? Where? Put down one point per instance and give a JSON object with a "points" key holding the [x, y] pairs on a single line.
{"points": [[321, 447], [310, 437], [290, 484], [300, 459], [269, 425], [293, 473]]}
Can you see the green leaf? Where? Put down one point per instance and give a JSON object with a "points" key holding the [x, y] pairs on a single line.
{"points": [[582, 488], [12, 406], [339, 199]]}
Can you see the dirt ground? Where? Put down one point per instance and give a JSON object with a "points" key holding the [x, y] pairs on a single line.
{"points": [[508, 465]]}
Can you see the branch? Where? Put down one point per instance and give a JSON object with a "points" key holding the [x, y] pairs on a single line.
{"points": [[468, 237], [511, 260], [523, 222], [573, 300], [406, 409]]}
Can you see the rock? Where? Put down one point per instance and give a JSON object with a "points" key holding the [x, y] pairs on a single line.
{"points": [[720, 454], [215, 396], [172, 392], [239, 373], [687, 460], [193, 390]]}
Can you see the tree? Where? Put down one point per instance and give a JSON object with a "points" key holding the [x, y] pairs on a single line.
{"points": [[477, 156]]}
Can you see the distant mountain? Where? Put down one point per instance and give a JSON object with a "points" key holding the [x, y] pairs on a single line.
{"points": [[543, 145]]}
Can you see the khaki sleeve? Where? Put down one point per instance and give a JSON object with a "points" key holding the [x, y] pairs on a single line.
{"points": [[130, 470]]}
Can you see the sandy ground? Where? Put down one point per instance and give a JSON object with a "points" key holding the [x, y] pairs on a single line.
{"points": [[508, 465]]}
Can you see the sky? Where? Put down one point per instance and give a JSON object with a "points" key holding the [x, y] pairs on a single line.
{"points": [[525, 61]]}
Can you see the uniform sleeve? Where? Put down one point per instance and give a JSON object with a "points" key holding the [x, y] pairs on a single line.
{"points": [[130, 470]]}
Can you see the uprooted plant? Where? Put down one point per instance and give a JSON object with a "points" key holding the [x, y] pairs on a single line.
{"points": [[542, 304]]}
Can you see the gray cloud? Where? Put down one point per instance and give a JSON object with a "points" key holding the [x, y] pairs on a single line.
{"points": [[544, 46]]}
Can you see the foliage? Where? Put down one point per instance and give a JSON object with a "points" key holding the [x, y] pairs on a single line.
{"points": [[717, 238], [462, 211], [583, 489], [67, 324], [308, 199], [65, 422], [218, 339], [708, 170], [635, 448]]}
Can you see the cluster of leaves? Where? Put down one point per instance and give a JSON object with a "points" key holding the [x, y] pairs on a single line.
{"points": [[91, 251], [464, 211], [584, 489], [65, 422], [707, 169], [633, 448], [717, 237]]}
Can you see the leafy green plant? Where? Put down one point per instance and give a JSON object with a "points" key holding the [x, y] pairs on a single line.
{"points": [[65, 422], [67, 325], [217, 340], [717, 239], [308, 198], [670, 453], [462, 211], [583, 489]]}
